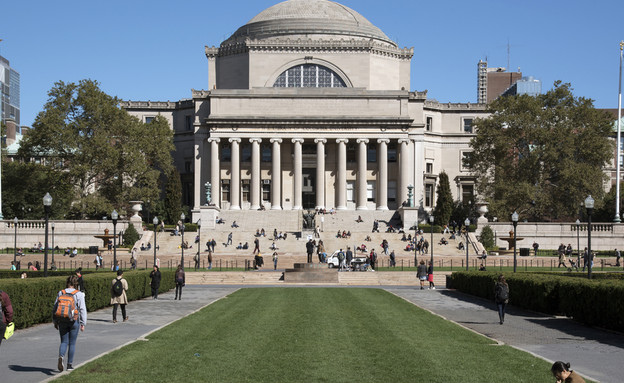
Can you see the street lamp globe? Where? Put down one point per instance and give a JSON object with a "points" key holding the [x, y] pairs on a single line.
{"points": [[467, 222], [514, 217], [431, 218], [47, 200], [155, 221], [115, 215], [589, 202]]}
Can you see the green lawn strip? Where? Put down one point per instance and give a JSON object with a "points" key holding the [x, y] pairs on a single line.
{"points": [[314, 335]]}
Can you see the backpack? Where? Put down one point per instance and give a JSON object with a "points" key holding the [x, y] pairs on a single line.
{"points": [[118, 288], [502, 293], [66, 309]]}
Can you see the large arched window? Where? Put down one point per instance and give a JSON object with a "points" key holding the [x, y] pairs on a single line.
{"points": [[309, 76]]}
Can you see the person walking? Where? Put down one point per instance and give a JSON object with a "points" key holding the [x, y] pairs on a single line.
{"points": [[349, 257], [275, 260], [69, 317], [310, 249], [421, 274], [561, 371], [180, 279], [6, 312], [209, 258], [155, 277], [430, 276], [80, 286], [501, 296], [119, 286], [373, 259], [256, 246]]}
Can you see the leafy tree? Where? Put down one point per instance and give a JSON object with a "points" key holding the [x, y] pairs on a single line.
{"points": [[130, 236], [463, 210], [173, 197], [444, 203], [108, 156], [606, 213], [487, 237], [542, 155]]}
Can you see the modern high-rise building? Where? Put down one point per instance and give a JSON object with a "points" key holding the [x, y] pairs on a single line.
{"points": [[10, 92], [495, 82]]}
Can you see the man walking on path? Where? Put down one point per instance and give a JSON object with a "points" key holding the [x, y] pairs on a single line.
{"points": [[180, 281], [310, 249], [118, 296]]}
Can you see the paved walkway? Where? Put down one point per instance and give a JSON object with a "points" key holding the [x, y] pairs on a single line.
{"points": [[30, 356]]}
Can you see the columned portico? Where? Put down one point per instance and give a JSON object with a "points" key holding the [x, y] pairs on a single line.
{"points": [[235, 183], [320, 172], [341, 174], [198, 181], [382, 181], [404, 167], [276, 174], [298, 173], [255, 172], [361, 174], [215, 168]]}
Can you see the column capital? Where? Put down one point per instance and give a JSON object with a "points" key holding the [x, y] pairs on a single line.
{"points": [[297, 140], [320, 140], [274, 140], [362, 140], [214, 139], [383, 141], [234, 139], [255, 139], [342, 140], [404, 141]]}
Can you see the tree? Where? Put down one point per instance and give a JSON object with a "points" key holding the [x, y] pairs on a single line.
{"points": [[109, 156], [444, 202], [173, 197], [487, 237], [131, 236], [542, 155]]}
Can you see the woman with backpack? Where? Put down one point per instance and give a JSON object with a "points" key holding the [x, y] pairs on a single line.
{"points": [[70, 316], [118, 296], [501, 296], [180, 282]]}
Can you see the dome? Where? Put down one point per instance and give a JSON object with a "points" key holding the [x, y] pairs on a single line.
{"points": [[309, 17]]}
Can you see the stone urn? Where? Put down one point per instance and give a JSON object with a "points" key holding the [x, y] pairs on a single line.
{"points": [[137, 206], [482, 209]]}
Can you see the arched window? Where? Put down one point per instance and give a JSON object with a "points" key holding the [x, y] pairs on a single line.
{"points": [[309, 76]]}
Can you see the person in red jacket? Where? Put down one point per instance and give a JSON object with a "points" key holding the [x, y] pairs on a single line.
{"points": [[7, 312]]}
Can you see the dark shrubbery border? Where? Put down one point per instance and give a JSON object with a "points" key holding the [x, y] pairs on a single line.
{"points": [[33, 298], [597, 302]]}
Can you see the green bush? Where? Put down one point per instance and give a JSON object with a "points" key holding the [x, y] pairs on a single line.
{"points": [[33, 299], [131, 236], [597, 302], [487, 237]]}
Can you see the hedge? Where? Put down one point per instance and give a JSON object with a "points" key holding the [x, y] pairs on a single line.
{"points": [[597, 302], [33, 298]]}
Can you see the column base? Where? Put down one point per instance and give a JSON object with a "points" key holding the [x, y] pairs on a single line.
{"points": [[341, 208], [234, 207], [361, 208], [254, 207], [382, 208], [297, 208], [276, 207]]}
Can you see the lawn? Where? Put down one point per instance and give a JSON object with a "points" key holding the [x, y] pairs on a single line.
{"points": [[313, 335]]}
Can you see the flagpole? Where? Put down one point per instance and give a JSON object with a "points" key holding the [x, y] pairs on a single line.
{"points": [[619, 146]]}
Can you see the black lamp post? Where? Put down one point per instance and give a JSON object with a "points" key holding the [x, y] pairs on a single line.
{"points": [[155, 222], [115, 217], [414, 241], [578, 244], [182, 217], [467, 223], [431, 224], [514, 220], [198, 243], [52, 226], [47, 202], [589, 205], [15, 221]]}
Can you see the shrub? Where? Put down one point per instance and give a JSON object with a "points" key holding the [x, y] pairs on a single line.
{"points": [[487, 237], [131, 236]]}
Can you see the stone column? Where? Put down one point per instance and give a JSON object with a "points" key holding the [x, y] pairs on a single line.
{"points": [[320, 172], [235, 182], [276, 180], [298, 173], [404, 167], [341, 175], [199, 156], [361, 174], [255, 172], [382, 171], [215, 171]]}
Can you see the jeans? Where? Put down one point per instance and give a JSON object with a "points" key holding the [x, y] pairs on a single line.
{"points": [[501, 311], [123, 311], [178, 291], [69, 334]]}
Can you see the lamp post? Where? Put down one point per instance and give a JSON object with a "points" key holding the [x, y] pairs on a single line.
{"points": [[198, 243], [182, 217], [115, 217], [52, 264], [514, 219], [155, 222], [467, 223], [415, 250], [578, 244], [589, 205], [431, 224], [47, 202], [15, 220]]}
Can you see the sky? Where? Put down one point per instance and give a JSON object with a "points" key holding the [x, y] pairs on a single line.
{"points": [[154, 50]]}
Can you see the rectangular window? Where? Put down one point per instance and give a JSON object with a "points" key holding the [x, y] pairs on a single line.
{"points": [[246, 153], [189, 123], [429, 168], [308, 149], [429, 125], [245, 186], [467, 125], [429, 195], [392, 153], [225, 190], [149, 119], [187, 166], [371, 153], [266, 153], [370, 191], [266, 190], [350, 189], [467, 193], [351, 153], [226, 154], [465, 165], [622, 151], [392, 186]]}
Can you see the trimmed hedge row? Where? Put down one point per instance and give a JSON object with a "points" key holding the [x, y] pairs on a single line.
{"points": [[596, 302], [33, 299]]}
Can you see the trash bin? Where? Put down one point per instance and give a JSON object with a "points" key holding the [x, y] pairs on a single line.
{"points": [[524, 251], [93, 249]]}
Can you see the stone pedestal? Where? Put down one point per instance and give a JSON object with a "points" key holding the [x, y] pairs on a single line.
{"points": [[311, 273], [409, 216], [208, 216]]}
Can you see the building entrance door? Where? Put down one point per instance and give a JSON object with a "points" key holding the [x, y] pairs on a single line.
{"points": [[308, 189]]}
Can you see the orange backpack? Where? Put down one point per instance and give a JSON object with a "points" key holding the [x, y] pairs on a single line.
{"points": [[66, 309]]}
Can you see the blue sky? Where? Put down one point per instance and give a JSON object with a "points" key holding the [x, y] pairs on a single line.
{"points": [[154, 50]]}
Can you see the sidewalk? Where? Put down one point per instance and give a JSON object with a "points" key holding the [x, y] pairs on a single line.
{"points": [[31, 355]]}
